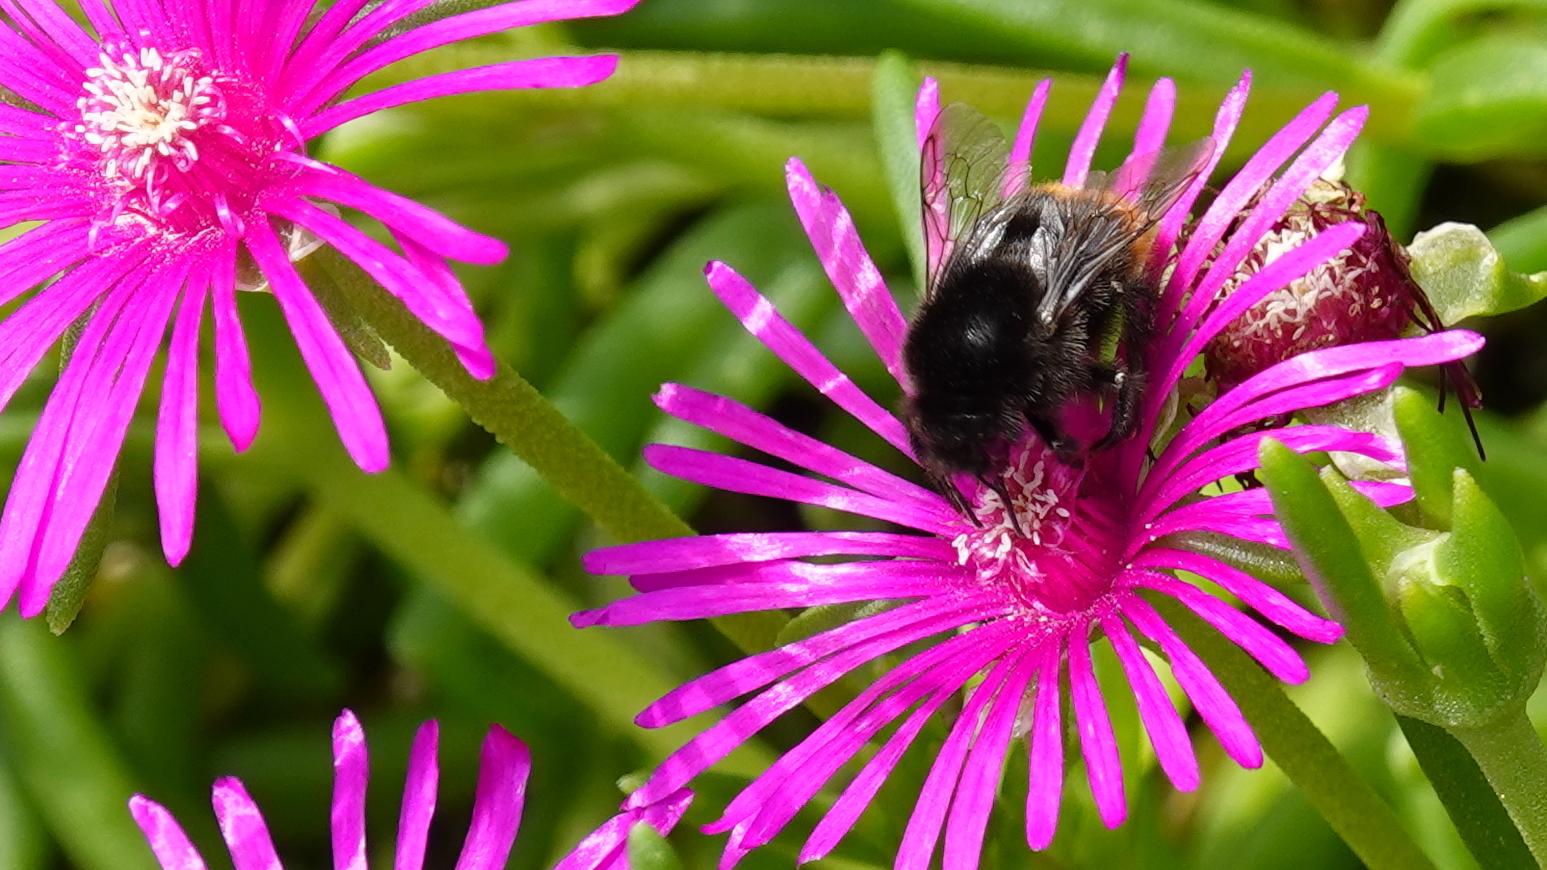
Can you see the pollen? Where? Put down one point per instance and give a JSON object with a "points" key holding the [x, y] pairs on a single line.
{"points": [[142, 109]]}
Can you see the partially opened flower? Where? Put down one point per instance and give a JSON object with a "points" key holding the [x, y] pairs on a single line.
{"points": [[156, 150], [1004, 615], [503, 769]]}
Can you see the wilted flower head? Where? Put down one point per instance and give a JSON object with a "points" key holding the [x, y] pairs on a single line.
{"points": [[1005, 616], [158, 147], [503, 769]]}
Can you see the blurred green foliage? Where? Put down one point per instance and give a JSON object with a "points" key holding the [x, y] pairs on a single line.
{"points": [[438, 588]]}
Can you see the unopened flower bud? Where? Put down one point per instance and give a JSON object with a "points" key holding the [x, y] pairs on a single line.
{"points": [[1365, 294]]}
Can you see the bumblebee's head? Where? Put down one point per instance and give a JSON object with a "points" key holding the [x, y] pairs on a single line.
{"points": [[955, 434]]}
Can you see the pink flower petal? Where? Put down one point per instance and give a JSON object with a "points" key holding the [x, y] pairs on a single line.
{"points": [[322, 82], [1258, 169], [750, 718], [504, 765], [606, 847], [979, 783], [96, 432], [1046, 756], [763, 320], [1085, 141], [974, 651], [241, 824], [770, 586], [1275, 606], [1148, 139], [1277, 657], [743, 425], [1183, 347], [426, 226], [1214, 705], [709, 551], [739, 475], [177, 436], [167, 841], [848, 265], [454, 320], [1167, 734], [419, 792], [350, 772], [541, 72], [338, 376], [235, 397], [1103, 769], [1018, 174], [762, 809], [1322, 153], [726, 683]]}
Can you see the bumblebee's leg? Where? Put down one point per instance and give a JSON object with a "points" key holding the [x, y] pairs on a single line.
{"points": [[1125, 411], [1126, 373]]}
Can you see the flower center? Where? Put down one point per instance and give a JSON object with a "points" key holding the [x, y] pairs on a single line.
{"points": [[141, 111], [1048, 545], [172, 145]]}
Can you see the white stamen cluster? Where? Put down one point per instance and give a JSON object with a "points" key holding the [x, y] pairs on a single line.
{"points": [[140, 108], [998, 547]]}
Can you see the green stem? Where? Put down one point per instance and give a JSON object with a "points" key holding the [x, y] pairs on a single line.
{"points": [[520, 418], [1512, 757], [69, 766], [1302, 752], [516, 414], [1469, 800]]}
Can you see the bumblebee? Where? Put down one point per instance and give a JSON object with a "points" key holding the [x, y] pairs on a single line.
{"points": [[1027, 288]]}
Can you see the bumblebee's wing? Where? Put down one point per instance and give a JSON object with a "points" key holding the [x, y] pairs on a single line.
{"points": [[1095, 231], [962, 167], [1154, 181]]}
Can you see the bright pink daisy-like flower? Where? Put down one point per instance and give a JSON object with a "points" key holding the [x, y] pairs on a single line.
{"points": [[159, 149], [1004, 616], [503, 770]]}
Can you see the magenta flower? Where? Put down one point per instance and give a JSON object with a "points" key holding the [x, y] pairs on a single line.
{"points": [[1005, 619], [159, 149], [503, 769]]}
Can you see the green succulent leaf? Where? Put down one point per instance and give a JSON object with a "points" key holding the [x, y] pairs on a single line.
{"points": [[1334, 561], [1465, 276], [1436, 444], [1380, 536], [893, 92], [1488, 98], [1443, 628], [69, 594]]}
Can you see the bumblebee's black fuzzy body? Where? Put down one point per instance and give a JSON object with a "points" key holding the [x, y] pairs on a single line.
{"points": [[984, 361]]}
